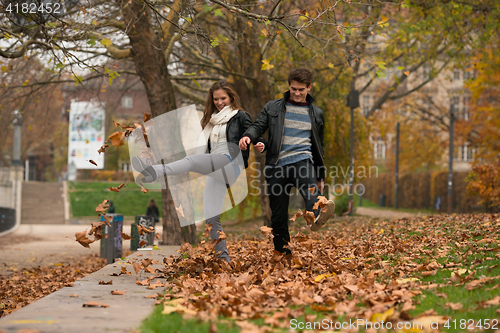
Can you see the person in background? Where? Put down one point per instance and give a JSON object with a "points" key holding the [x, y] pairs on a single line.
{"points": [[111, 208], [153, 210]]}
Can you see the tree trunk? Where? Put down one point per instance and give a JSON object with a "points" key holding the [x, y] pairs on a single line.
{"points": [[151, 67]]}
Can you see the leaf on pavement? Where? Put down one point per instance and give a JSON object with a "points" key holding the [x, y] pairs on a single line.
{"points": [[118, 292], [95, 305], [137, 266], [103, 282]]}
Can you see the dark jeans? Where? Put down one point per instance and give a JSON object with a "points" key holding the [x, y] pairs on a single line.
{"points": [[280, 180]]}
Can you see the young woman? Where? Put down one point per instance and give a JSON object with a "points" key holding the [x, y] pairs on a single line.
{"points": [[223, 125]]}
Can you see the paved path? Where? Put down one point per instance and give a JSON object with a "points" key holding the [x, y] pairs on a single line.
{"points": [[384, 213], [35, 245], [58, 312]]}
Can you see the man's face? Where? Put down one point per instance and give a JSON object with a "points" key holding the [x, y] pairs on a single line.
{"points": [[298, 91]]}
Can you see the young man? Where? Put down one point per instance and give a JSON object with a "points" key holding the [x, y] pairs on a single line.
{"points": [[294, 153]]}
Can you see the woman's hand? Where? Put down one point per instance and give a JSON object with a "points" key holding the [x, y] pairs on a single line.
{"points": [[260, 147], [244, 142]]}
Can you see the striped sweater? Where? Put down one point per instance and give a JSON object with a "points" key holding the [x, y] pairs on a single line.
{"points": [[296, 145]]}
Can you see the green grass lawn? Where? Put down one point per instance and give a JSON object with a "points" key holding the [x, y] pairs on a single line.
{"points": [[130, 201]]}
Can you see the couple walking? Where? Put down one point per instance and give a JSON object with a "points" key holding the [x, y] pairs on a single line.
{"points": [[294, 154]]}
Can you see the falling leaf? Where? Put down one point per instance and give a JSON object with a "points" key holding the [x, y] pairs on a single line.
{"points": [[147, 116], [142, 243], [180, 211], [146, 262], [309, 217], [102, 207], [222, 236], [117, 124], [320, 202], [143, 189], [125, 236], [208, 228], [267, 231], [294, 217], [109, 282], [117, 138], [118, 292], [95, 305], [121, 185], [81, 237], [92, 161], [103, 149], [137, 266], [114, 189], [407, 73]]}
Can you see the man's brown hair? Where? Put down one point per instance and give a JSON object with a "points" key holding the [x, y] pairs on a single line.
{"points": [[302, 75]]}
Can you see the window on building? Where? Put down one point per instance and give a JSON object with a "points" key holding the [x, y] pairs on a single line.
{"points": [[456, 74], [127, 101], [366, 104], [379, 149], [465, 108], [126, 166]]}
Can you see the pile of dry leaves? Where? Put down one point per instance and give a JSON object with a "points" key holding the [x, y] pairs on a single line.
{"points": [[26, 286], [343, 271]]}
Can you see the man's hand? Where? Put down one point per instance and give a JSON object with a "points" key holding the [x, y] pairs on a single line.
{"points": [[244, 142], [259, 146], [321, 185]]}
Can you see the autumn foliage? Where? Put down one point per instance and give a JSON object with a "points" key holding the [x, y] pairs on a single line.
{"points": [[484, 181]]}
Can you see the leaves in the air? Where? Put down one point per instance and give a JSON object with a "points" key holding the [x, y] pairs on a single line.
{"points": [[147, 116], [92, 161], [267, 231], [81, 237], [146, 262], [102, 207], [143, 189], [180, 211], [125, 236], [142, 243], [298, 214], [117, 124], [117, 138], [208, 228], [114, 189], [103, 149]]}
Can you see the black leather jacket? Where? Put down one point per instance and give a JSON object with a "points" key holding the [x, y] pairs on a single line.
{"points": [[236, 126], [272, 117]]}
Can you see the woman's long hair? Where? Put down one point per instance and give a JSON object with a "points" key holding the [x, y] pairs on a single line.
{"points": [[210, 107], [152, 203]]}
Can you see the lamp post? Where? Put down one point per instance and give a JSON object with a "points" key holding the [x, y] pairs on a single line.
{"points": [[16, 154], [450, 158], [396, 180], [352, 102]]}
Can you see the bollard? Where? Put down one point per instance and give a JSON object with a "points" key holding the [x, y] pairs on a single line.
{"points": [[111, 247], [147, 221]]}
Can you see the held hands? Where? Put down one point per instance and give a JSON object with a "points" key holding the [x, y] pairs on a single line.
{"points": [[244, 142], [259, 146]]}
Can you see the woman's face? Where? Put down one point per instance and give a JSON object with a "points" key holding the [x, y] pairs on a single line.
{"points": [[221, 99]]}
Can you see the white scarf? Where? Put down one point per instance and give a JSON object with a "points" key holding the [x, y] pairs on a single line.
{"points": [[212, 129]]}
